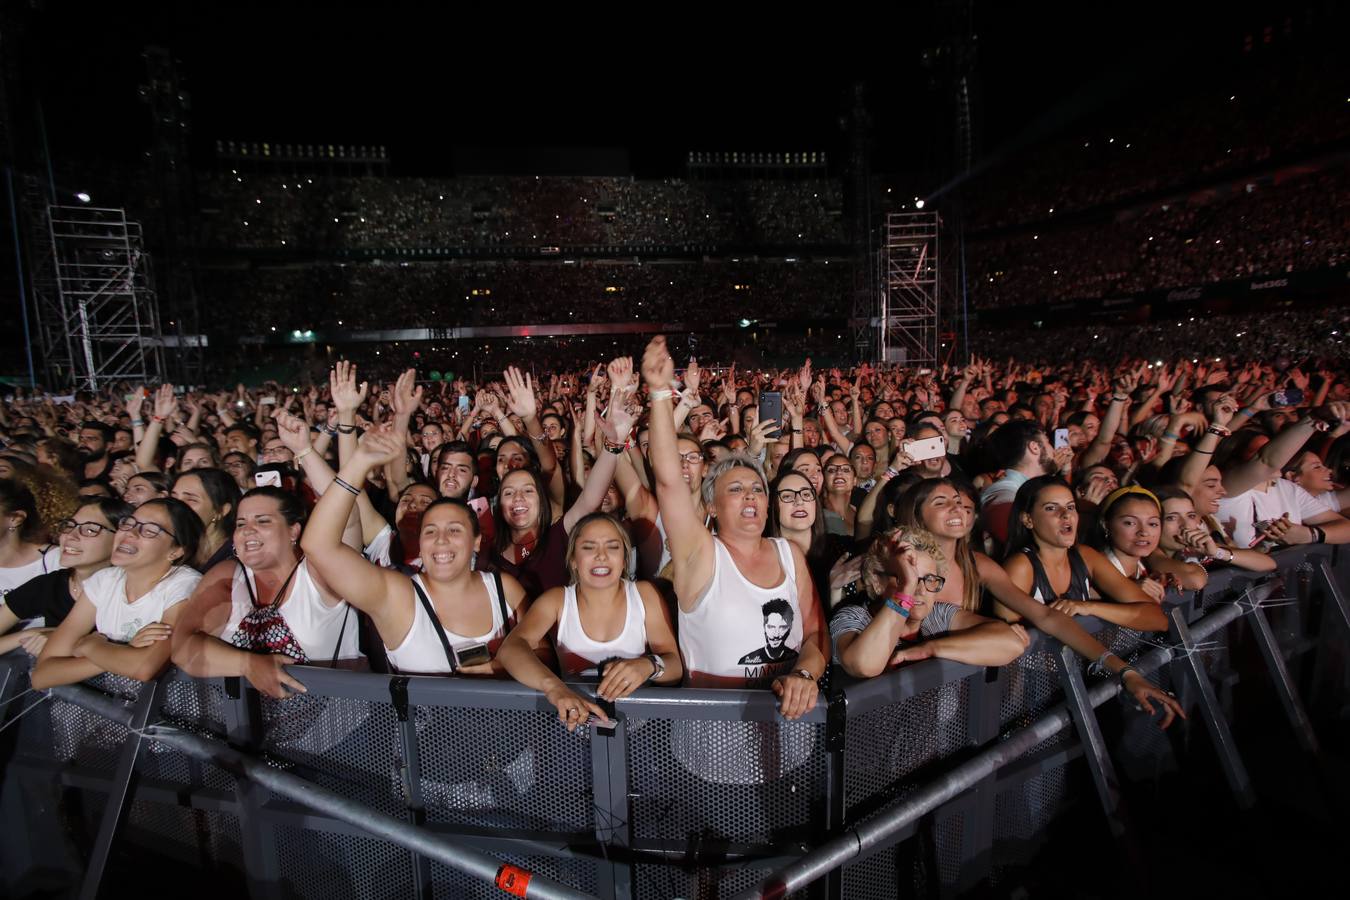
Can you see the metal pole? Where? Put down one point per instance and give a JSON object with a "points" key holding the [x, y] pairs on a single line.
{"points": [[881, 830], [378, 824], [18, 268]]}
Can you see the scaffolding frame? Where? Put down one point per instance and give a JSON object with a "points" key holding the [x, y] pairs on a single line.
{"points": [[918, 292], [95, 307]]}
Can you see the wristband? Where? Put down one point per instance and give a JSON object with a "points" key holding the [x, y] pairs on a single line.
{"points": [[662, 394], [346, 487], [536, 437], [1099, 667], [331, 431], [1218, 431], [137, 423], [302, 454], [157, 418], [1120, 676], [901, 603], [616, 449], [1117, 398], [658, 666], [1319, 535], [891, 472], [1171, 436], [346, 429]]}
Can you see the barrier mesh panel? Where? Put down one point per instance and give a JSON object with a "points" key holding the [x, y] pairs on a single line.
{"points": [[347, 746], [318, 865], [947, 836], [1022, 813], [663, 882], [754, 782], [84, 738], [885, 744], [573, 871], [874, 878], [197, 707], [194, 836], [505, 768]]}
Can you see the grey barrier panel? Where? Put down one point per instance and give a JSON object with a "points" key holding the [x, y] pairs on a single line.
{"points": [[1215, 721], [664, 802]]}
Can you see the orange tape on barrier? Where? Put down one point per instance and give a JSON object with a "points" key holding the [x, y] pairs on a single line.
{"points": [[513, 879]]}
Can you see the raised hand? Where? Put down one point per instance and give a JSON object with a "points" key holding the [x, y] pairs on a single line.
{"points": [[347, 394], [520, 397], [693, 376], [292, 431], [407, 395], [658, 369], [804, 376], [136, 403], [379, 446], [621, 378], [165, 402]]}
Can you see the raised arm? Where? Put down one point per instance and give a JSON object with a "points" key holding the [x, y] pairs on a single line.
{"points": [[365, 585], [688, 538], [165, 406], [1115, 414], [1271, 458], [616, 426], [522, 401]]}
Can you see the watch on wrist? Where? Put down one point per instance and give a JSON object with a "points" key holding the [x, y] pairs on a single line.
{"points": [[658, 666], [805, 673]]}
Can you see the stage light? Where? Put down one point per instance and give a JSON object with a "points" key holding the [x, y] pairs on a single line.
{"points": [[918, 204], [82, 197]]}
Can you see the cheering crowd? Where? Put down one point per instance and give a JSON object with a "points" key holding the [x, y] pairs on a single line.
{"points": [[599, 527]]}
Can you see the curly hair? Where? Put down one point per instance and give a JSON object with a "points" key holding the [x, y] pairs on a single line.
{"points": [[55, 495], [874, 572]]}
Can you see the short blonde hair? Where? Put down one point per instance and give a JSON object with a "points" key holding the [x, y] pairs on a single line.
{"points": [[874, 572]]}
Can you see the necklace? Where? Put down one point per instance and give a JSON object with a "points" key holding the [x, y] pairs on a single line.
{"points": [[525, 547]]}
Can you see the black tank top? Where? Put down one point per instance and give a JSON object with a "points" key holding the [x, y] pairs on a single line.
{"points": [[1079, 584]]}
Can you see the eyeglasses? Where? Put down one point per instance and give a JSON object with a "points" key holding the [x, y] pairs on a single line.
{"points": [[932, 583], [87, 529], [691, 457], [787, 495], [147, 530]]}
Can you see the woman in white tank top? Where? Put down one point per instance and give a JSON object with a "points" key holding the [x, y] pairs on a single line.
{"points": [[446, 614], [601, 623], [123, 615], [269, 610], [749, 615]]}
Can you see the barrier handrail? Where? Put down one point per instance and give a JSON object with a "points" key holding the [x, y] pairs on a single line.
{"points": [[246, 766], [615, 829], [891, 820]]}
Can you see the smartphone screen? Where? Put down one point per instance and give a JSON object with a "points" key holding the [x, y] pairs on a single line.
{"points": [[472, 655], [1061, 437], [771, 407], [464, 403]]}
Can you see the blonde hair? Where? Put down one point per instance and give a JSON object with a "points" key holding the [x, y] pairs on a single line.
{"points": [[874, 572], [575, 534]]}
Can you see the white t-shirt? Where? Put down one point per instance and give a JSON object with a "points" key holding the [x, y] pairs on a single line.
{"points": [[1331, 499], [1238, 514], [118, 620], [12, 577]]}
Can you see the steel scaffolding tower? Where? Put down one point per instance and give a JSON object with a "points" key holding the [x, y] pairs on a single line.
{"points": [[919, 290], [94, 303]]}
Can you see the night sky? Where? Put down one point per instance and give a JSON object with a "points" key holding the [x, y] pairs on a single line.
{"points": [[423, 81]]}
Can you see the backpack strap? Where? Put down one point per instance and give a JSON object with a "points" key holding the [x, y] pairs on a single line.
{"points": [[501, 599]]}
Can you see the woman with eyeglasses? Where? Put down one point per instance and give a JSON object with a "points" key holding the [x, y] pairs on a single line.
{"points": [[1046, 560], [124, 616], [904, 573], [214, 497], [241, 468], [269, 610], [86, 542], [840, 482], [796, 514]]}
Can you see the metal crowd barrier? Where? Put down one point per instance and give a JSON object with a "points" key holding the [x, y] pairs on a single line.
{"points": [[375, 786]]}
